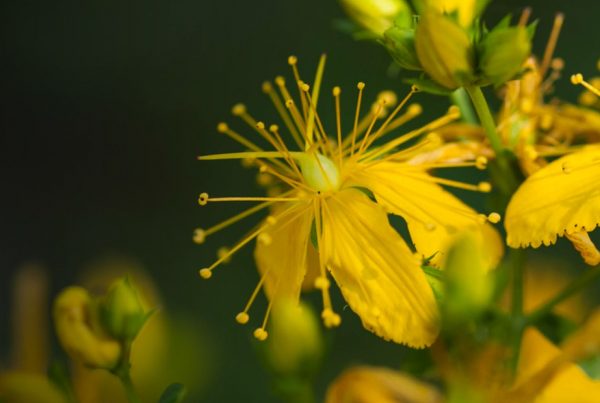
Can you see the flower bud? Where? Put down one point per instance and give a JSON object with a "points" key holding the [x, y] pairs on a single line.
{"points": [[376, 16], [503, 52], [295, 345], [444, 50], [121, 310], [468, 289], [467, 10], [400, 42], [76, 324]]}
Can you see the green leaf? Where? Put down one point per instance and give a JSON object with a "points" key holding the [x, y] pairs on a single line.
{"points": [[174, 393]]}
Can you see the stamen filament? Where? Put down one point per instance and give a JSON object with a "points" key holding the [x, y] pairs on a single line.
{"points": [[268, 89], [314, 99], [336, 94], [551, 45], [360, 87]]}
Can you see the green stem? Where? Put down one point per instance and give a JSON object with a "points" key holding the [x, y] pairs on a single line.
{"points": [[122, 371], [576, 285], [518, 320], [503, 173], [460, 98]]}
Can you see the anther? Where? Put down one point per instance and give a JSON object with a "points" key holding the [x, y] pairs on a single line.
{"points": [[453, 109], [322, 283], [289, 103], [360, 85], [280, 81], [260, 125], [389, 97], [261, 334], [203, 199], [271, 220], [262, 169], [481, 162], [273, 128], [546, 121], [264, 179], [557, 63], [267, 87], [336, 91], [577, 79], [199, 236], [414, 109], [205, 273], [330, 318], [242, 318], [303, 86], [222, 127], [222, 254], [485, 187], [292, 60], [238, 109], [494, 218], [265, 238]]}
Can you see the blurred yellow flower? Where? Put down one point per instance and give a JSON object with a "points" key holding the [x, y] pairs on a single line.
{"points": [[379, 385], [22, 387], [376, 16], [561, 199], [333, 216]]}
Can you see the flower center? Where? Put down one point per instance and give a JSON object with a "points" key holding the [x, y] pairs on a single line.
{"points": [[320, 172]]}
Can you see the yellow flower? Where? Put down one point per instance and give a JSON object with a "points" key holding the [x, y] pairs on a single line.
{"points": [[467, 10], [561, 199], [332, 219], [381, 385]]}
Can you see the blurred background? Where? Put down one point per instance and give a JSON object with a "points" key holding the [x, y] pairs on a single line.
{"points": [[105, 106]]}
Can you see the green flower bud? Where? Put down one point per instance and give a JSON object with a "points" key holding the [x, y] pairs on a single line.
{"points": [[503, 52], [400, 42], [295, 345], [121, 311], [444, 50], [468, 288], [376, 16]]}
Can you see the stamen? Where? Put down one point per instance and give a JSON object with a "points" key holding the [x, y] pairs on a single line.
{"points": [[551, 45], [321, 134], [261, 334], [577, 79], [314, 99], [297, 118], [224, 128], [293, 61], [243, 317], [202, 200], [338, 122], [378, 111], [494, 218], [360, 87], [199, 236], [268, 89], [525, 16], [330, 318], [224, 253]]}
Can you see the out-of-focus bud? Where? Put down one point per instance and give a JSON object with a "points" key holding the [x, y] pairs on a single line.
{"points": [[503, 52], [444, 49], [468, 288], [121, 310], [382, 385], [295, 344], [467, 10], [376, 16], [76, 324], [16, 387], [400, 42]]}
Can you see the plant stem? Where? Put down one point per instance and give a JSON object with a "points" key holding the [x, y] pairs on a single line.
{"points": [[460, 98], [122, 371], [576, 285], [505, 177], [518, 320]]}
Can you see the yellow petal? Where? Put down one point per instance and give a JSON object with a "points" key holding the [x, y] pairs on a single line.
{"points": [[561, 198], [545, 375], [282, 253], [381, 385], [433, 214], [377, 273]]}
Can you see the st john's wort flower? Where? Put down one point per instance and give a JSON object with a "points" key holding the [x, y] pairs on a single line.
{"points": [[332, 217]]}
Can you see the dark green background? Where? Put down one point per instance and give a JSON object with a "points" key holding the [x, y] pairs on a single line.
{"points": [[105, 106]]}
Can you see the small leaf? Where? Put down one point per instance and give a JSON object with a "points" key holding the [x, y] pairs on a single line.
{"points": [[174, 393]]}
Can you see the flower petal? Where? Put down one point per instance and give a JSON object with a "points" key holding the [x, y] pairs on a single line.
{"points": [[282, 255], [377, 273], [561, 198], [432, 213]]}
